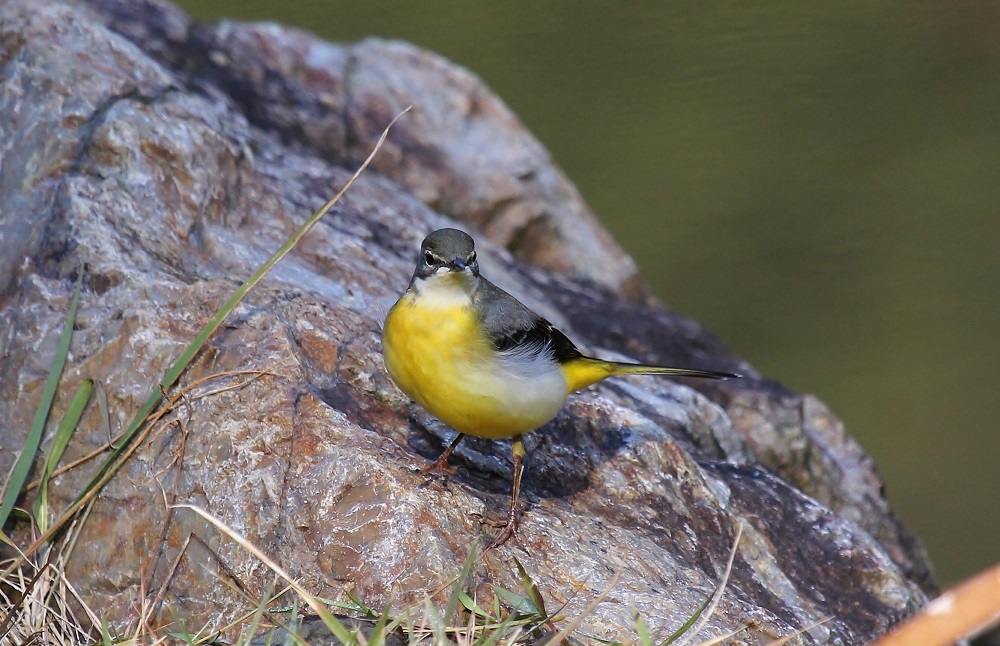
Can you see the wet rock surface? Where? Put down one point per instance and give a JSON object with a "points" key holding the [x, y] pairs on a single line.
{"points": [[170, 159]]}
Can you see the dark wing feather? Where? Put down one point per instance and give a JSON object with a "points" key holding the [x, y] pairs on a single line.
{"points": [[541, 335], [510, 324]]}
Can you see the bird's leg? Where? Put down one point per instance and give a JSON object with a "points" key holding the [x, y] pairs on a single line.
{"points": [[509, 528], [440, 466]]}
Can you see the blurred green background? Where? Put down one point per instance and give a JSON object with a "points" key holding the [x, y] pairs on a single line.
{"points": [[819, 183]]}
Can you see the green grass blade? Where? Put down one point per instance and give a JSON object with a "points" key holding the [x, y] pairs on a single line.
{"points": [[258, 615], [102, 408], [439, 635], [358, 606], [677, 634], [67, 426], [12, 488], [105, 633], [531, 589], [491, 637], [378, 634], [178, 367], [640, 627], [294, 626], [518, 603], [473, 607], [459, 585]]}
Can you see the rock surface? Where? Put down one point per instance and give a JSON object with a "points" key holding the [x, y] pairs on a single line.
{"points": [[172, 158]]}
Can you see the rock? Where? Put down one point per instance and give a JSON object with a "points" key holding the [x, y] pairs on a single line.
{"points": [[171, 158]]}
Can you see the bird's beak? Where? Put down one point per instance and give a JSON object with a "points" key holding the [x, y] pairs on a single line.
{"points": [[457, 264]]}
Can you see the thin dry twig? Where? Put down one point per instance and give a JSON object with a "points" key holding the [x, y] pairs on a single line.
{"points": [[151, 421], [168, 500], [717, 597], [573, 625], [257, 374], [311, 600]]}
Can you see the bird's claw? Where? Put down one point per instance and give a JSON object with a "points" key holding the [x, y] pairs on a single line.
{"points": [[508, 530], [440, 468]]}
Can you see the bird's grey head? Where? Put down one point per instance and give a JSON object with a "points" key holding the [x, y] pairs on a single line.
{"points": [[446, 251]]}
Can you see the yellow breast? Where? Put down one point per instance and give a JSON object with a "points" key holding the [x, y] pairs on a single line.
{"points": [[437, 353]]}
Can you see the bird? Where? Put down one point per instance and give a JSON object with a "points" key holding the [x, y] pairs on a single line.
{"points": [[484, 363]]}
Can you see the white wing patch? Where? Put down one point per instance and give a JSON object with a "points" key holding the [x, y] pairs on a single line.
{"points": [[529, 361]]}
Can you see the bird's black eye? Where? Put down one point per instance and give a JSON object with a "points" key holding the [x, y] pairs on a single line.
{"points": [[428, 258], [472, 257]]}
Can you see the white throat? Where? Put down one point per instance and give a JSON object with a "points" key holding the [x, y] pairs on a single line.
{"points": [[445, 290]]}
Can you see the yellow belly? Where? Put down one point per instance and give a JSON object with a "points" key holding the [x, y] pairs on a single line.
{"points": [[438, 356]]}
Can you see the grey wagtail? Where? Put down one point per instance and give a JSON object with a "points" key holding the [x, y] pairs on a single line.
{"points": [[481, 361]]}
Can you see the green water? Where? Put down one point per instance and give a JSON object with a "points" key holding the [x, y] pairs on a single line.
{"points": [[818, 182]]}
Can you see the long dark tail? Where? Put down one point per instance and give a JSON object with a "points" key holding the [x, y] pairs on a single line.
{"points": [[640, 369]]}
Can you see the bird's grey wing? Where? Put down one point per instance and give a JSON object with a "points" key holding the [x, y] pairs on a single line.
{"points": [[512, 327]]}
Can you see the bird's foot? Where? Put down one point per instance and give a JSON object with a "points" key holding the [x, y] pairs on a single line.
{"points": [[439, 467], [508, 530]]}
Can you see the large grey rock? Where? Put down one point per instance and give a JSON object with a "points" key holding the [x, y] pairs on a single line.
{"points": [[171, 158]]}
